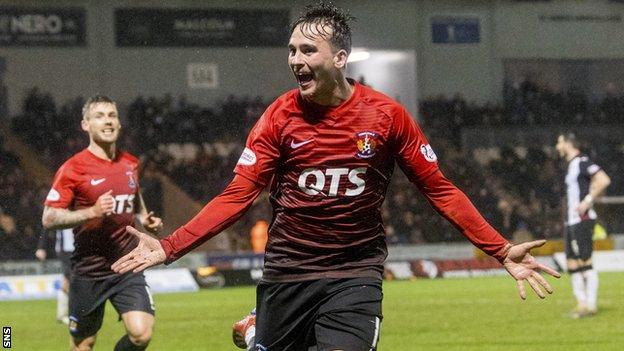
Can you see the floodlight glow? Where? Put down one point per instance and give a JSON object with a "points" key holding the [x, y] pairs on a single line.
{"points": [[358, 56]]}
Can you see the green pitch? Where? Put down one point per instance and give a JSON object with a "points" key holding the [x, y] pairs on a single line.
{"points": [[444, 314]]}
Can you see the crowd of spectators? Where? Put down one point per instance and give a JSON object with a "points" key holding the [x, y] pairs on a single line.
{"points": [[518, 189], [20, 209], [524, 104]]}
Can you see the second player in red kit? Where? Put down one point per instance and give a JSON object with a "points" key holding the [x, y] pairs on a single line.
{"points": [[96, 192]]}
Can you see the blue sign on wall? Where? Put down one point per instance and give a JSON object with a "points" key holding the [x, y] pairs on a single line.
{"points": [[455, 30]]}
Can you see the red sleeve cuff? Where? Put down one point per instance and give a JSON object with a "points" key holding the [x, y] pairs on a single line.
{"points": [[166, 246]]}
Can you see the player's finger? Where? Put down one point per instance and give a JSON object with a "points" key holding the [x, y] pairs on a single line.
{"points": [[149, 214], [521, 290], [535, 287], [128, 265], [142, 267], [121, 262], [533, 244], [548, 270], [131, 266], [543, 282]]}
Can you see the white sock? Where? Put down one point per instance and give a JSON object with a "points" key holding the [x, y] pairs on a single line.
{"points": [[592, 288], [250, 338], [62, 305], [578, 287]]}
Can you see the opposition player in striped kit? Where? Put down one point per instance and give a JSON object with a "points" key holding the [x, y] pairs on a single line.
{"points": [[585, 182], [328, 150], [96, 192], [63, 246]]}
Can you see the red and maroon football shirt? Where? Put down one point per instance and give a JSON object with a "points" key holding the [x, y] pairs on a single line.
{"points": [[77, 184], [329, 168]]}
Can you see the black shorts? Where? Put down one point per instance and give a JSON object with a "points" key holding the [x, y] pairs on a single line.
{"points": [[578, 240], [87, 299], [330, 314]]}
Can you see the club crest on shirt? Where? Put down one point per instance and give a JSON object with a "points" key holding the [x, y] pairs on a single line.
{"points": [[366, 144], [131, 181]]}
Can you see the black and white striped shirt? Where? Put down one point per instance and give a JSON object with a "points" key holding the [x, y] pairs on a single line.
{"points": [[578, 179]]}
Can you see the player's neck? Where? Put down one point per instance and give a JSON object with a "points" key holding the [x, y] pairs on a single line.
{"points": [[341, 92], [105, 152], [572, 154]]}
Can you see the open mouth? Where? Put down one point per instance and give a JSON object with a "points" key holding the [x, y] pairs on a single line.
{"points": [[304, 78], [108, 131]]}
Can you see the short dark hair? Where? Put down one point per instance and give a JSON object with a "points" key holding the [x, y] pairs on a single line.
{"points": [[326, 14], [571, 138], [94, 100]]}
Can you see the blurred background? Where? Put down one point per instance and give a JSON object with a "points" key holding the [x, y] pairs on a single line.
{"points": [[491, 83]]}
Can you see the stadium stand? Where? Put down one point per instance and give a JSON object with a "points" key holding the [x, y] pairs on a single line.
{"points": [[517, 189]]}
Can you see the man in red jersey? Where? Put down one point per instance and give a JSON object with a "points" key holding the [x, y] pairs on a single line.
{"points": [[328, 150], [96, 192]]}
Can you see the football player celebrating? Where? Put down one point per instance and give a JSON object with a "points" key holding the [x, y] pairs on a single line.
{"points": [[96, 192], [329, 148]]}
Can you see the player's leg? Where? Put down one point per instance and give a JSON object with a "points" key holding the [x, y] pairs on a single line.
{"points": [[351, 318], [86, 312], [84, 329], [585, 265], [139, 327], [62, 296], [133, 301], [285, 314], [572, 251], [62, 302]]}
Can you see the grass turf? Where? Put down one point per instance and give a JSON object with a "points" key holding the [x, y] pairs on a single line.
{"points": [[443, 314]]}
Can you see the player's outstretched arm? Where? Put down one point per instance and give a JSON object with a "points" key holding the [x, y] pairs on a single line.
{"points": [[217, 215], [148, 253], [524, 267], [455, 206]]}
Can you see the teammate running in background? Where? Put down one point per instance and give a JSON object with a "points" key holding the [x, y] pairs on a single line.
{"points": [[585, 182], [63, 246], [328, 149], [96, 192]]}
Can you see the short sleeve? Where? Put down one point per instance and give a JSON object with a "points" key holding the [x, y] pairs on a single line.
{"points": [[61, 194], [412, 150], [590, 168], [259, 158]]}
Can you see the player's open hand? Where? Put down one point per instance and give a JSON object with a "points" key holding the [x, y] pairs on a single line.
{"points": [[105, 205], [152, 223], [522, 266], [148, 253]]}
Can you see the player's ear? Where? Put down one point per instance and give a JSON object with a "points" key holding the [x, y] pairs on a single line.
{"points": [[340, 59], [84, 125]]}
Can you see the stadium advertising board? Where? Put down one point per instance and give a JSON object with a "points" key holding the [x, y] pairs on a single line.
{"points": [[29, 287], [39, 287], [170, 280], [148, 27], [42, 26]]}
